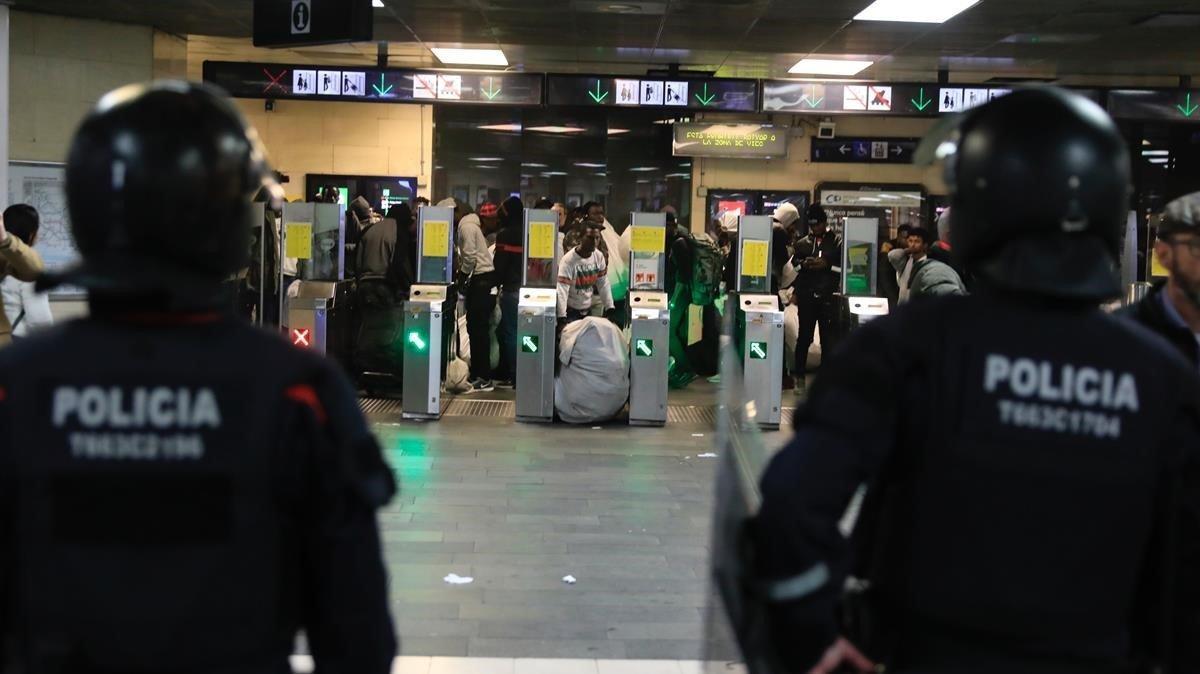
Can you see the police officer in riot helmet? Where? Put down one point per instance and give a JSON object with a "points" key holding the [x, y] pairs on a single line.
{"points": [[180, 492], [1042, 521]]}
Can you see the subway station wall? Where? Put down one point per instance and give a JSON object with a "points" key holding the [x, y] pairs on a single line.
{"points": [[797, 172], [59, 68], [345, 138]]}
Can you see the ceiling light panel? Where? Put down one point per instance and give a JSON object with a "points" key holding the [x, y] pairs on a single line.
{"points": [[914, 11], [470, 57], [845, 68]]}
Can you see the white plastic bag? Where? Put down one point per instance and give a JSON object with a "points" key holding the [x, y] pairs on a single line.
{"points": [[458, 371], [593, 381]]}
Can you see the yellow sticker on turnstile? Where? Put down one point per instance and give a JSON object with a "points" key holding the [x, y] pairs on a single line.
{"points": [[1157, 270], [754, 258], [649, 240], [437, 239], [541, 240], [298, 240]]}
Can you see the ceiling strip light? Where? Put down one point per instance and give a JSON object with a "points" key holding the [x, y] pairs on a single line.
{"points": [[829, 67], [914, 11], [470, 57]]}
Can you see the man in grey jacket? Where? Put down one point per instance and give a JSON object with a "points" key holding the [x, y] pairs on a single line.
{"points": [[477, 278], [928, 277]]}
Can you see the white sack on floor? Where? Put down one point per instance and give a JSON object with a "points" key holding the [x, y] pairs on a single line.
{"points": [[593, 380], [791, 332]]}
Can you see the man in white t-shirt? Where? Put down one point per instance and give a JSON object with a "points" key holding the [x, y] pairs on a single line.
{"points": [[583, 274]]}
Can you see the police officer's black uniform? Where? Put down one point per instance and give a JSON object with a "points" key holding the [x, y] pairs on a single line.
{"points": [[180, 492], [1025, 528]]}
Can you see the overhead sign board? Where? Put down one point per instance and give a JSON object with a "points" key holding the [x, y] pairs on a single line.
{"points": [[730, 140], [864, 150], [376, 85], [878, 98], [290, 23], [681, 94], [1174, 105]]}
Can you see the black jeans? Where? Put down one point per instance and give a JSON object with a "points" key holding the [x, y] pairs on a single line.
{"points": [[480, 304], [815, 310]]}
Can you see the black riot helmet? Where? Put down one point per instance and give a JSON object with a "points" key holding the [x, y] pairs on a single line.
{"points": [[160, 179], [1040, 185]]}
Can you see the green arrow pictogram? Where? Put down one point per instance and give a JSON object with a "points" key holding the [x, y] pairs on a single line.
{"points": [[598, 97], [809, 98], [644, 347], [415, 339], [530, 345], [1187, 108], [757, 350], [921, 104], [383, 87], [706, 99], [492, 91]]}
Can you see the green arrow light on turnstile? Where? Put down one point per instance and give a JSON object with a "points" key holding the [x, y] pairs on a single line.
{"points": [[643, 347], [529, 344], [417, 340], [758, 350]]}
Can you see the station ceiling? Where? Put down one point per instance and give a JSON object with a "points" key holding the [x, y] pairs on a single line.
{"points": [[1068, 39]]}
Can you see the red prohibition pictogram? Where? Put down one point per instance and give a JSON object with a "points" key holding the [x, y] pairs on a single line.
{"points": [[275, 81], [300, 337]]}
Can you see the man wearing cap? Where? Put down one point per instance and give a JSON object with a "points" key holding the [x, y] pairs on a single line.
{"points": [[817, 261], [19, 261], [1173, 308]]}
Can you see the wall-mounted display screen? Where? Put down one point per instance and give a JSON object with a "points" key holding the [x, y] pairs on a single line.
{"points": [[684, 94], [730, 140], [376, 85]]}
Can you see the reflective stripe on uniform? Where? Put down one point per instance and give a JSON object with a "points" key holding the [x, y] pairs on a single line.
{"points": [[798, 587]]}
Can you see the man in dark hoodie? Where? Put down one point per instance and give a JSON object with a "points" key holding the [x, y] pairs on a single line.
{"points": [[378, 265], [510, 246]]}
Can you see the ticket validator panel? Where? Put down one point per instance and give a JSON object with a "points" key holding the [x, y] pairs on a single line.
{"points": [[760, 321], [537, 317], [650, 315], [423, 314]]}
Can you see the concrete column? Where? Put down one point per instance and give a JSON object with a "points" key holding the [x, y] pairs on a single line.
{"points": [[4, 60]]}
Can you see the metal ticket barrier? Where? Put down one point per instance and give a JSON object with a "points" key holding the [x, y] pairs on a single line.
{"points": [[318, 308], [537, 318], [860, 251], [651, 317], [760, 322], [316, 316], [423, 315]]}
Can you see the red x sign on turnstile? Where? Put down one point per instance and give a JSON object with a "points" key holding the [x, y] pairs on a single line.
{"points": [[300, 336]]}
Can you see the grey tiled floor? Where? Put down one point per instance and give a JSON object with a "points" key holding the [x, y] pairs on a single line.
{"points": [[518, 507]]}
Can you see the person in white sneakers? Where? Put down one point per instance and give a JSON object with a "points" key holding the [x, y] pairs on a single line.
{"points": [[582, 274]]}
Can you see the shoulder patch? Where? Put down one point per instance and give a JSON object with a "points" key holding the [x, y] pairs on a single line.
{"points": [[307, 396]]}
